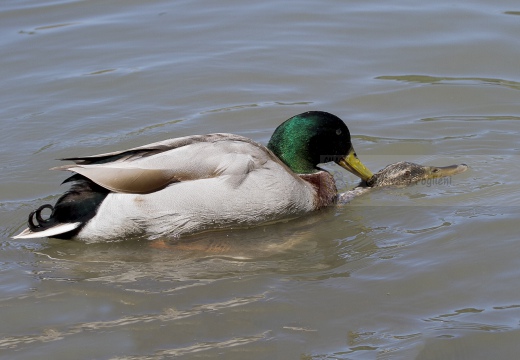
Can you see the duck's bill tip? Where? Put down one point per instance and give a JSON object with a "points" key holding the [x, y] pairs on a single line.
{"points": [[442, 171], [352, 163]]}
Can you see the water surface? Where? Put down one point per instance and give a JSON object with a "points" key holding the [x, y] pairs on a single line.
{"points": [[424, 272]]}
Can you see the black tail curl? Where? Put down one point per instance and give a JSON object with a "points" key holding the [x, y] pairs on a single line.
{"points": [[41, 223], [78, 204]]}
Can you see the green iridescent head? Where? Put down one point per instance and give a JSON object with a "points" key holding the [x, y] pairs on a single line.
{"points": [[308, 139]]}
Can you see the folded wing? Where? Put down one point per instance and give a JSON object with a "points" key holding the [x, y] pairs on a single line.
{"points": [[152, 167]]}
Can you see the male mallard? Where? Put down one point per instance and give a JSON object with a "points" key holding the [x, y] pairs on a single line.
{"points": [[201, 182]]}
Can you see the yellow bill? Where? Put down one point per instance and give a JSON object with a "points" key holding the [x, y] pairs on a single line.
{"points": [[355, 166]]}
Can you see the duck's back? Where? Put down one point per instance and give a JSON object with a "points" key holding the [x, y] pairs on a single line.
{"points": [[225, 184]]}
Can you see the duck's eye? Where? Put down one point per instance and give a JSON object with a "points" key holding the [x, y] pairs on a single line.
{"points": [[407, 173], [338, 132]]}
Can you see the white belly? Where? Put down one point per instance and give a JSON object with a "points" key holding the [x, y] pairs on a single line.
{"points": [[198, 205]]}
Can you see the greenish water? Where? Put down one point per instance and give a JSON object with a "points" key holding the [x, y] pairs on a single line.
{"points": [[425, 272]]}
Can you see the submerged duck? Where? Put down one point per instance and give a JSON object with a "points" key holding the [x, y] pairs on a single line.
{"points": [[402, 173], [201, 182]]}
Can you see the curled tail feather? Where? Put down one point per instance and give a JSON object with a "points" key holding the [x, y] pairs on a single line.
{"points": [[41, 223], [72, 210]]}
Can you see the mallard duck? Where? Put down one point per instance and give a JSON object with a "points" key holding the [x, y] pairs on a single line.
{"points": [[399, 174], [201, 182], [405, 173]]}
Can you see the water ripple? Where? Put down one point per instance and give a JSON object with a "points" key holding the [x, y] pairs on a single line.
{"points": [[168, 315], [447, 80]]}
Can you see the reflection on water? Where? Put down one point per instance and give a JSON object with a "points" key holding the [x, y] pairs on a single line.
{"points": [[284, 248]]}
